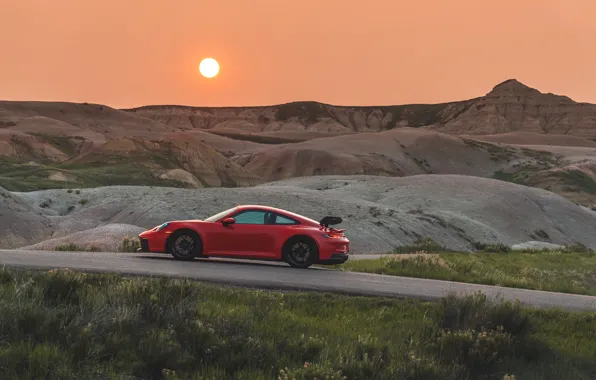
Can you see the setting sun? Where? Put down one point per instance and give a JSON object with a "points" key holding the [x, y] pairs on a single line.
{"points": [[209, 67]]}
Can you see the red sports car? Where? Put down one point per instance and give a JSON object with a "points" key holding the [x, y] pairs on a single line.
{"points": [[252, 232]]}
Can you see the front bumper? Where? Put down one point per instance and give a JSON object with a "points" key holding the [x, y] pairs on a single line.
{"points": [[336, 258], [144, 245]]}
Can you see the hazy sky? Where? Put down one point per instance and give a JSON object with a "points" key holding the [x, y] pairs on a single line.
{"points": [[126, 53]]}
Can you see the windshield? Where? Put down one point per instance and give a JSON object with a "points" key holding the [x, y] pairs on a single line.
{"points": [[220, 215]]}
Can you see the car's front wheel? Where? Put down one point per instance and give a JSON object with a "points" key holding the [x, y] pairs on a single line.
{"points": [[185, 245], [300, 252]]}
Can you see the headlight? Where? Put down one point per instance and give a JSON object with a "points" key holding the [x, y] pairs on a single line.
{"points": [[163, 226]]}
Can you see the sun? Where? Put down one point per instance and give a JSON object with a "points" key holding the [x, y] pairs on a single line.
{"points": [[209, 67]]}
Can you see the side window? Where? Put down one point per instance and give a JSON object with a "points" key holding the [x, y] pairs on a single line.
{"points": [[280, 219], [250, 217]]}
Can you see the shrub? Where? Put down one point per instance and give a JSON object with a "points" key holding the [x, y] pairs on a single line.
{"points": [[129, 244], [476, 312], [492, 247]]}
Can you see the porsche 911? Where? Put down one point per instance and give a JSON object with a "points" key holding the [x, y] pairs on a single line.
{"points": [[252, 232]]}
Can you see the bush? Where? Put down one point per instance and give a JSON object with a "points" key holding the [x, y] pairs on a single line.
{"points": [[477, 311], [129, 244], [492, 247]]}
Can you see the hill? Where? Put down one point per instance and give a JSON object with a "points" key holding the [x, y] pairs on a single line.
{"points": [[510, 106], [514, 133], [379, 212]]}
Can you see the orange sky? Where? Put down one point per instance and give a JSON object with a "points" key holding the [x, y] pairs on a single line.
{"points": [[126, 53]]}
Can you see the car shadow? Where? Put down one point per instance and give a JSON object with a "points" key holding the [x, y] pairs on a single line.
{"points": [[218, 260]]}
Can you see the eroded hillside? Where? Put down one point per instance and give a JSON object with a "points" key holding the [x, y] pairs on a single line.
{"points": [[510, 106]]}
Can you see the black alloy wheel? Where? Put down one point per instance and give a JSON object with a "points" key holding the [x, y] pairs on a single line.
{"points": [[185, 245], [300, 252]]}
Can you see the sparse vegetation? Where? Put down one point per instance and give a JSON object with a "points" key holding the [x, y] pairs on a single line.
{"points": [[569, 270], [106, 171], [129, 244], [65, 144], [421, 244], [496, 152], [491, 247], [306, 111], [523, 176], [375, 211], [46, 203], [76, 248], [84, 201], [63, 324], [576, 180]]}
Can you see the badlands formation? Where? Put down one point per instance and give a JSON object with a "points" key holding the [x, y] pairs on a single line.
{"points": [[512, 166]]}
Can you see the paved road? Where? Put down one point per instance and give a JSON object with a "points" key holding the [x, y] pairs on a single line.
{"points": [[280, 276]]}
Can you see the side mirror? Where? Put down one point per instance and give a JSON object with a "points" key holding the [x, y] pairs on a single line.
{"points": [[228, 221]]}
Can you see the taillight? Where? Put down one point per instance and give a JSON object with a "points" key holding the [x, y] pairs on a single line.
{"points": [[333, 236]]}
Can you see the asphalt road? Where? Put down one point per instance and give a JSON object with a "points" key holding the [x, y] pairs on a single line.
{"points": [[281, 276]]}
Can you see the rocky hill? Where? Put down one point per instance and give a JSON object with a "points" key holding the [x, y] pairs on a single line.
{"points": [[510, 106], [512, 134]]}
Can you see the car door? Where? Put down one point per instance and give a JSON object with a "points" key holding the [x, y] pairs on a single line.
{"points": [[248, 236]]}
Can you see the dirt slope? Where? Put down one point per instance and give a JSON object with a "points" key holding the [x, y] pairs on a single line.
{"points": [[20, 221], [91, 121], [399, 152], [378, 212]]}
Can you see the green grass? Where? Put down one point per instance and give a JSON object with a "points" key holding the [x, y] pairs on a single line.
{"points": [[63, 143], [560, 271], [76, 248], [577, 180], [69, 325], [20, 177]]}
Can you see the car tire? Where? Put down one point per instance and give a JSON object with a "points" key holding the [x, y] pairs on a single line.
{"points": [[185, 245], [300, 252]]}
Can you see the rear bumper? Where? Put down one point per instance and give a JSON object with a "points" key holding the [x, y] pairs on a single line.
{"points": [[336, 258]]}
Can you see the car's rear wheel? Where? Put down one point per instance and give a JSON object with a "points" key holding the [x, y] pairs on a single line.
{"points": [[300, 252], [185, 245]]}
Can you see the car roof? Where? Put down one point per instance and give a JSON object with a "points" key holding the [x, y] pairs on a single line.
{"points": [[279, 210]]}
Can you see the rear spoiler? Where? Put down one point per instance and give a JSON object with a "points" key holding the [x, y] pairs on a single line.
{"points": [[330, 221]]}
